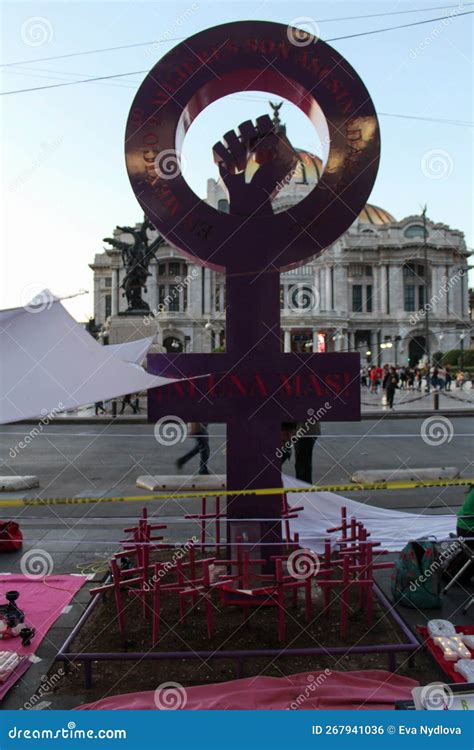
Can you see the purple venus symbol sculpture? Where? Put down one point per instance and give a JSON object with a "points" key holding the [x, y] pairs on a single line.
{"points": [[254, 386]]}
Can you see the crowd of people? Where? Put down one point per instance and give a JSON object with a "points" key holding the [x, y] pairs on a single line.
{"points": [[389, 378]]}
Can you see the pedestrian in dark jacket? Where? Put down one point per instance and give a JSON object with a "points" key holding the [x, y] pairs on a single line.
{"points": [[197, 430], [390, 384]]}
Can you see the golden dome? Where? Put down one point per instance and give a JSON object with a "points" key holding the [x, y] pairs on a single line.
{"points": [[308, 171]]}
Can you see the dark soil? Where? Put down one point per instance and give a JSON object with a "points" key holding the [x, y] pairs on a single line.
{"points": [[101, 634]]}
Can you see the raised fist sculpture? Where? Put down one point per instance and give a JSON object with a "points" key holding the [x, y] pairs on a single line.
{"points": [[276, 158]]}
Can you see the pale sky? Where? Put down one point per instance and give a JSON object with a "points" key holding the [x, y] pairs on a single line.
{"points": [[64, 181]]}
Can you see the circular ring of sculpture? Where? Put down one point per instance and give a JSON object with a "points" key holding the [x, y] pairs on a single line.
{"points": [[231, 58]]}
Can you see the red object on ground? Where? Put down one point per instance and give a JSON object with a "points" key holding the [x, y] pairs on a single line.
{"points": [[369, 690], [446, 666], [11, 538], [42, 602], [355, 564]]}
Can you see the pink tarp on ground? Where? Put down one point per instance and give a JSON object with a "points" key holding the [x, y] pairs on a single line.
{"points": [[372, 689], [42, 601]]}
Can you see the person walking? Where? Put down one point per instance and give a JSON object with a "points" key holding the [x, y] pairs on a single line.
{"points": [[197, 430], [99, 405], [390, 384], [307, 434], [127, 401], [418, 378], [136, 403], [447, 378], [373, 379]]}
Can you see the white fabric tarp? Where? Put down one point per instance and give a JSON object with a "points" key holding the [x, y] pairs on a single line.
{"points": [[50, 363], [394, 529], [131, 351]]}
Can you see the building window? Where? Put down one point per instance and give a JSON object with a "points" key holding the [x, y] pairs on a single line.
{"points": [[174, 269], [223, 205], [217, 302], [357, 298], [414, 286], [162, 269], [416, 230], [108, 305], [173, 295], [409, 294], [108, 281], [369, 298], [413, 269], [421, 296]]}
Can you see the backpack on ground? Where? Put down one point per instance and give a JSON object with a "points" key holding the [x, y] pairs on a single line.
{"points": [[416, 579]]}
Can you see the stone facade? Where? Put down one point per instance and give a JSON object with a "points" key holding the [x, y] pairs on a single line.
{"points": [[369, 289]]}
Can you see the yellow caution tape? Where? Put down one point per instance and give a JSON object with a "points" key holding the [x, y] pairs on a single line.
{"points": [[352, 487]]}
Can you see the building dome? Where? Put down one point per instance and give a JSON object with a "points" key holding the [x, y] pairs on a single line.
{"points": [[307, 173]]}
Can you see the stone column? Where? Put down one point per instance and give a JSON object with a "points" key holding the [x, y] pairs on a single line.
{"points": [[329, 300], [380, 290], [397, 303], [207, 273], [315, 340], [287, 341], [154, 286], [340, 288], [115, 290]]}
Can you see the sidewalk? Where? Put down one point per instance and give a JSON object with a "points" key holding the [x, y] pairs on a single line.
{"points": [[420, 401], [406, 404]]}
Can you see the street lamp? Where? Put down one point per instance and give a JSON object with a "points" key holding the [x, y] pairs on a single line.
{"points": [[461, 358]]}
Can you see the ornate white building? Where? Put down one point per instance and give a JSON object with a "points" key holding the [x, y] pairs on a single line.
{"points": [[370, 288]]}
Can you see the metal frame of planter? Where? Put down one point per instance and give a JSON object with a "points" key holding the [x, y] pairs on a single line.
{"points": [[88, 658]]}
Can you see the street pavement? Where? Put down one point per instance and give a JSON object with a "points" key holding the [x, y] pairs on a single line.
{"points": [[104, 459]]}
